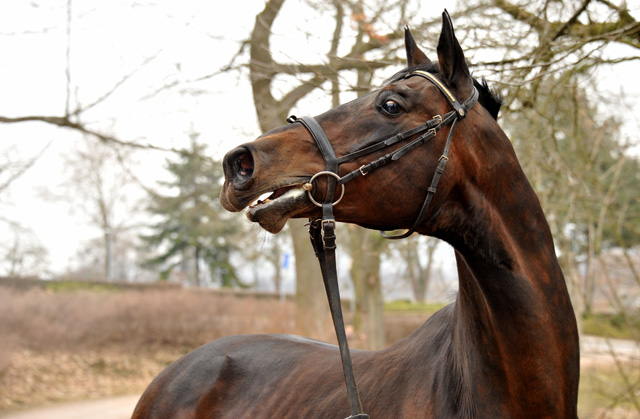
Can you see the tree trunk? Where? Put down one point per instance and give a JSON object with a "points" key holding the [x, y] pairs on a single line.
{"points": [[419, 276], [196, 266], [108, 262], [365, 247], [277, 264], [312, 314]]}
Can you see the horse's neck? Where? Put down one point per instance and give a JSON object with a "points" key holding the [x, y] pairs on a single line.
{"points": [[511, 315], [513, 318]]}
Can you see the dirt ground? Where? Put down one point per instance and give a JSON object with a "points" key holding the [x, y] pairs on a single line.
{"points": [[111, 408], [41, 379]]}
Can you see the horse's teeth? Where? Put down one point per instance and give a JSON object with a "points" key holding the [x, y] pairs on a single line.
{"points": [[261, 202]]}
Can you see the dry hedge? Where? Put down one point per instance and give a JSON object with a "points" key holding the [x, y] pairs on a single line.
{"points": [[85, 320]]}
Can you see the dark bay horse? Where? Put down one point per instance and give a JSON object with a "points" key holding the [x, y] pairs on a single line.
{"points": [[506, 348]]}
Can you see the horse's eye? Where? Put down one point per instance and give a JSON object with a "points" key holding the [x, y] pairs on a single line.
{"points": [[392, 108]]}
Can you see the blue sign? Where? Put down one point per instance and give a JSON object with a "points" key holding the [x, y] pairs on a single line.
{"points": [[285, 261]]}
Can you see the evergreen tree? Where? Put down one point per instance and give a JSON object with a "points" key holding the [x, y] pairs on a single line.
{"points": [[193, 230]]}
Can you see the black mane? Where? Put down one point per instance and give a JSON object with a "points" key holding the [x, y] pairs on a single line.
{"points": [[489, 99]]}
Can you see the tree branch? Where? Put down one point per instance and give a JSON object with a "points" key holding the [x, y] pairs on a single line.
{"points": [[21, 170], [291, 98], [65, 122], [569, 23], [626, 26], [115, 87]]}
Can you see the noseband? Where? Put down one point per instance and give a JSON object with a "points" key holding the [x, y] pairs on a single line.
{"points": [[322, 231]]}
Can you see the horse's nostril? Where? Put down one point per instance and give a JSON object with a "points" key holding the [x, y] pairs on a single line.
{"points": [[239, 168], [244, 165]]}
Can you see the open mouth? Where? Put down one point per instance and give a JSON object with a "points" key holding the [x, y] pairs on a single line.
{"points": [[269, 198], [273, 211]]}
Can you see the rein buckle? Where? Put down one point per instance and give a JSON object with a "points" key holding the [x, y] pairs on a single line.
{"points": [[327, 222]]}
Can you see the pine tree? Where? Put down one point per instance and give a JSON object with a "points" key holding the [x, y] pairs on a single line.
{"points": [[193, 230]]}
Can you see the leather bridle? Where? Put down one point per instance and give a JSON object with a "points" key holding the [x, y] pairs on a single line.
{"points": [[322, 231]]}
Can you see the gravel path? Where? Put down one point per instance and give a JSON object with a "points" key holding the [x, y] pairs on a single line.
{"points": [[112, 408]]}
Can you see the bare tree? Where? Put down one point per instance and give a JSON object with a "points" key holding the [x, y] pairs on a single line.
{"points": [[533, 40], [417, 252], [13, 165], [82, 115], [99, 185], [73, 110], [21, 254]]}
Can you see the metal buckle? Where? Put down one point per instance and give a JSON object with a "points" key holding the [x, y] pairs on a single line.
{"points": [[325, 172], [438, 117], [329, 221], [362, 172]]}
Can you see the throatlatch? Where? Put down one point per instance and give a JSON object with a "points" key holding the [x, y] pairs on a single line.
{"points": [[322, 231]]}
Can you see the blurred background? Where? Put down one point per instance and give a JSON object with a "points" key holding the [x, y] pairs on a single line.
{"points": [[114, 115]]}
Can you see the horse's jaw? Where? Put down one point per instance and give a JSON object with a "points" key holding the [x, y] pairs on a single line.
{"points": [[272, 212]]}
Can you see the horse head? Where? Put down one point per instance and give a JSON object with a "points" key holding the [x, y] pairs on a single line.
{"points": [[283, 160]]}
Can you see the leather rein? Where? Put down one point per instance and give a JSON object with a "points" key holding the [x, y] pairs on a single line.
{"points": [[322, 231]]}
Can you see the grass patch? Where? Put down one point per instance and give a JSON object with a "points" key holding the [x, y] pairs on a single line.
{"points": [[616, 326], [412, 307], [75, 286]]}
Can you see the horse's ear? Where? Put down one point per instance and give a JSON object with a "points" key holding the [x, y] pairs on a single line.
{"points": [[415, 56], [453, 66]]}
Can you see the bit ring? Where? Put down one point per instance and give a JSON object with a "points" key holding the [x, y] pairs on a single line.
{"points": [[325, 172]]}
